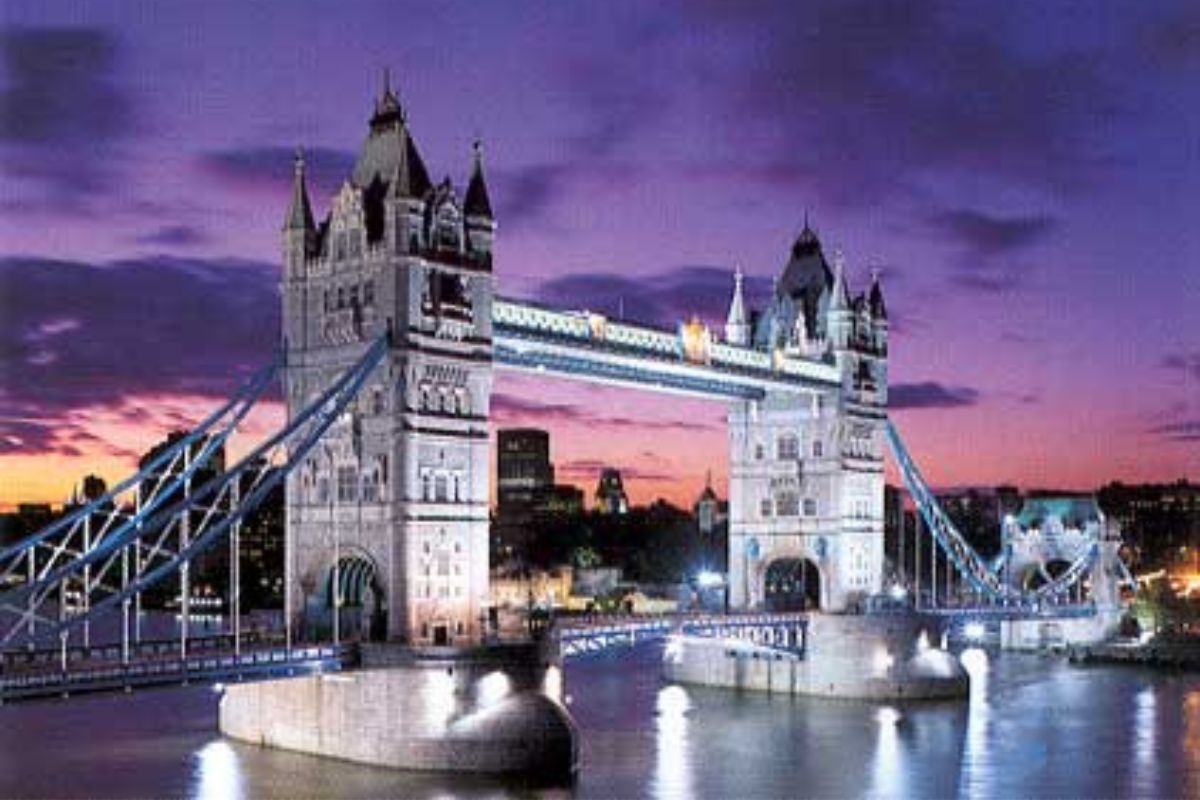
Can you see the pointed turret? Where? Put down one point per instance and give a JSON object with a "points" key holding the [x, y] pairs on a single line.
{"points": [[299, 216], [840, 301], [477, 203], [875, 300], [389, 154], [737, 330]]}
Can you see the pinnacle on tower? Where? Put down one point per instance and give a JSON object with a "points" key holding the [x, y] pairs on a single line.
{"points": [[875, 300], [737, 331], [299, 217], [477, 203], [387, 107], [840, 301]]}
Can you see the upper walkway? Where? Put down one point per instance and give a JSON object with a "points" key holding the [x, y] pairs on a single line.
{"points": [[690, 361]]}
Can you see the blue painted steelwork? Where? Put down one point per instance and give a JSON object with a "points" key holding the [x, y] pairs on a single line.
{"points": [[222, 501], [205, 667], [578, 365], [161, 472], [981, 577], [785, 632]]}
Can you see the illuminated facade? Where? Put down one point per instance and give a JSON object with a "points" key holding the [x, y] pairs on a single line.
{"points": [[397, 494], [806, 475]]}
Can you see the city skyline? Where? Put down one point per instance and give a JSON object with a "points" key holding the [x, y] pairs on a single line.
{"points": [[1039, 267]]}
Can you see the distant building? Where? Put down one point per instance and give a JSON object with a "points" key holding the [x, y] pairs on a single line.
{"points": [[712, 521], [523, 468], [610, 493], [1160, 523], [712, 513]]}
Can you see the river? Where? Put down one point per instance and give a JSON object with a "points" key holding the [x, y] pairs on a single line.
{"points": [[1034, 727]]}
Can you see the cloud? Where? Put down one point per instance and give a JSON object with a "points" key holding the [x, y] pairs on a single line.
{"points": [[659, 299], [174, 236], [590, 469], [96, 334], [930, 394], [63, 114], [859, 101], [1182, 431], [508, 409], [523, 195], [271, 167], [1186, 363], [984, 235]]}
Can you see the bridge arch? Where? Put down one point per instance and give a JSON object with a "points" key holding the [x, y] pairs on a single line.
{"points": [[363, 607], [1039, 573], [791, 583]]}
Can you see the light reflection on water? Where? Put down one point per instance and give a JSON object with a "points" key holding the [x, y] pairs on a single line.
{"points": [[976, 766], [1034, 727], [218, 774], [888, 773], [673, 768]]}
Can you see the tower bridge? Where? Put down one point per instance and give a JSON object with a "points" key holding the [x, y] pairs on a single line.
{"points": [[392, 332]]}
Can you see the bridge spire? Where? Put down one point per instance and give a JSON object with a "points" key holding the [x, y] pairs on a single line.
{"points": [[299, 217], [841, 294], [737, 331], [875, 299], [477, 203]]}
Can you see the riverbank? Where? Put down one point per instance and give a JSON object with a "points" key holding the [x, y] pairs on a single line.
{"points": [[1176, 652]]}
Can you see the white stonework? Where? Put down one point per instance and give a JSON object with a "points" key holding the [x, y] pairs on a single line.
{"points": [[402, 479], [806, 471]]}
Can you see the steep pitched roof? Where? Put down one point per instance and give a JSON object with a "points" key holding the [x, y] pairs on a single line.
{"points": [[299, 216], [389, 153], [878, 308], [477, 203]]}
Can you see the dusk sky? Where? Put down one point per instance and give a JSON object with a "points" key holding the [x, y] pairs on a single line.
{"points": [[1026, 177]]}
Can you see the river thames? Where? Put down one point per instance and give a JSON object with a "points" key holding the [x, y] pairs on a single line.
{"points": [[1035, 727]]}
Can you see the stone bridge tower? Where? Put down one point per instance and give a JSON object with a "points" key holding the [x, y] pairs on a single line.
{"points": [[806, 474], [396, 494]]}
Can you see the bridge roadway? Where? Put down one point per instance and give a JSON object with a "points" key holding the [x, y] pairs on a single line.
{"points": [[63, 672]]}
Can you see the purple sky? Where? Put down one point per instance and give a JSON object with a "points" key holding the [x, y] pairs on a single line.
{"points": [[1026, 179]]}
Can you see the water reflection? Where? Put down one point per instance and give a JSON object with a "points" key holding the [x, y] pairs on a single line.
{"points": [[673, 767], [976, 769], [887, 778], [218, 774], [1145, 741], [1190, 742]]}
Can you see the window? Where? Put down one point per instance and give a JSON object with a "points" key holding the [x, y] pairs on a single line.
{"points": [[426, 492], [787, 504], [766, 507], [370, 488], [369, 293], [441, 490], [339, 248], [788, 448], [354, 296], [810, 507], [758, 452], [355, 243], [341, 298], [347, 490], [818, 448]]}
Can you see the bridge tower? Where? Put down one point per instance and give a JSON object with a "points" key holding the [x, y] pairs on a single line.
{"points": [[806, 474], [396, 494]]}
